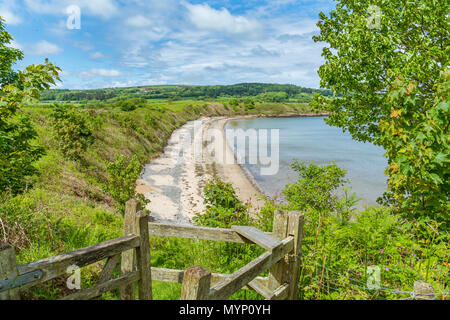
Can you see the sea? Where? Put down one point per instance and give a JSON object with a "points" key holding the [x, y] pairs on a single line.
{"points": [[310, 139]]}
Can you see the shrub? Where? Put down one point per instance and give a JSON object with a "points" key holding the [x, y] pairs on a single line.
{"points": [[122, 176], [223, 208], [72, 130]]}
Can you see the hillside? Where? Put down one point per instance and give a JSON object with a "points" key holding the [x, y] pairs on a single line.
{"points": [[259, 91]]}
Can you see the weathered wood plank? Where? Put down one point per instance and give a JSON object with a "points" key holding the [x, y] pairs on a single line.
{"points": [[57, 266], [167, 275], [196, 283], [176, 276], [278, 274], [295, 229], [258, 237], [261, 289], [194, 232], [128, 263], [100, 289], [8, 270], [108, 270], [143, 258], [243, 276], [281, 293]]}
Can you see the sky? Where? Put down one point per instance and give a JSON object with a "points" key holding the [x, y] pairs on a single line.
{"points": [[155, 42]]}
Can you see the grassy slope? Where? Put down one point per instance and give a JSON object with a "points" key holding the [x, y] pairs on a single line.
{"points": [[67, 207]]}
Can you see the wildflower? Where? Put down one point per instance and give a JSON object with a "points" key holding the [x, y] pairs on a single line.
{"points": [[381, 251], [387, 269]]}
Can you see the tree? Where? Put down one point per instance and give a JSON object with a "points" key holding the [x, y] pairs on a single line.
{"points": [[390, 82], [18, 149]]}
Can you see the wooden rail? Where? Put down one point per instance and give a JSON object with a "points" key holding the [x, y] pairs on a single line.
{"points": [[282, 259], [136, 240]]}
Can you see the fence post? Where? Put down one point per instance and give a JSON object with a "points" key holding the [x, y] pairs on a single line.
{"points": [[128, 263], [196, 283], [143, 257], [295, 229], [8, 270], [278, 274], [287, 270]]}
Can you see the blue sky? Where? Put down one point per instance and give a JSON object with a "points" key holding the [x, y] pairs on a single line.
{"points": [[149, 42]]}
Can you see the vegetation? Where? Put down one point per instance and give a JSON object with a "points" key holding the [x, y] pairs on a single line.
{"points": [[259, 91], [341, 243], [391, 87], [72, 130], [122, 177], [17, 150]]}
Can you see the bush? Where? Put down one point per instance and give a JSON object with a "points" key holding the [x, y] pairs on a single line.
{"points": [[72, 130], [122, 176], [223, 208]]}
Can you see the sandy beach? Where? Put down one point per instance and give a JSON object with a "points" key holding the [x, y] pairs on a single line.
{"points": [[174, 181]]}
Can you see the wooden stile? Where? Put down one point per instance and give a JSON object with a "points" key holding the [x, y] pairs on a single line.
{"points": [[282, 258], [258, 237]]}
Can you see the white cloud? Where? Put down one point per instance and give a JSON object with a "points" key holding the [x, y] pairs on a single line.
{"points": [[97, 55], [138, 21], [206, 18], [10, 17], [109, 73], [45, 48]]}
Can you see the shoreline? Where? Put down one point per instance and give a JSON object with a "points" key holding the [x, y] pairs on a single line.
{"points": [[174, 184]]}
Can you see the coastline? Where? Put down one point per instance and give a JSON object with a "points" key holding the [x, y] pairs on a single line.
{"points": [[175, 185]]}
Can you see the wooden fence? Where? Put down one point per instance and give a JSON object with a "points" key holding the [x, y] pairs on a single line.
{"points": [[282, 259]]}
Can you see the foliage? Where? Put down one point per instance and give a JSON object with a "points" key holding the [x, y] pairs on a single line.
{"points": [[279, 92], [391, 88], [315, 187], [18, 150], [122, 176], [417, 145], [223, 208], [72, 130], [131, 104], [273, 96]]}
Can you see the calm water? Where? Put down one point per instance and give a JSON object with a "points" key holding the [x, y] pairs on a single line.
{"points": [[311, 139]]}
